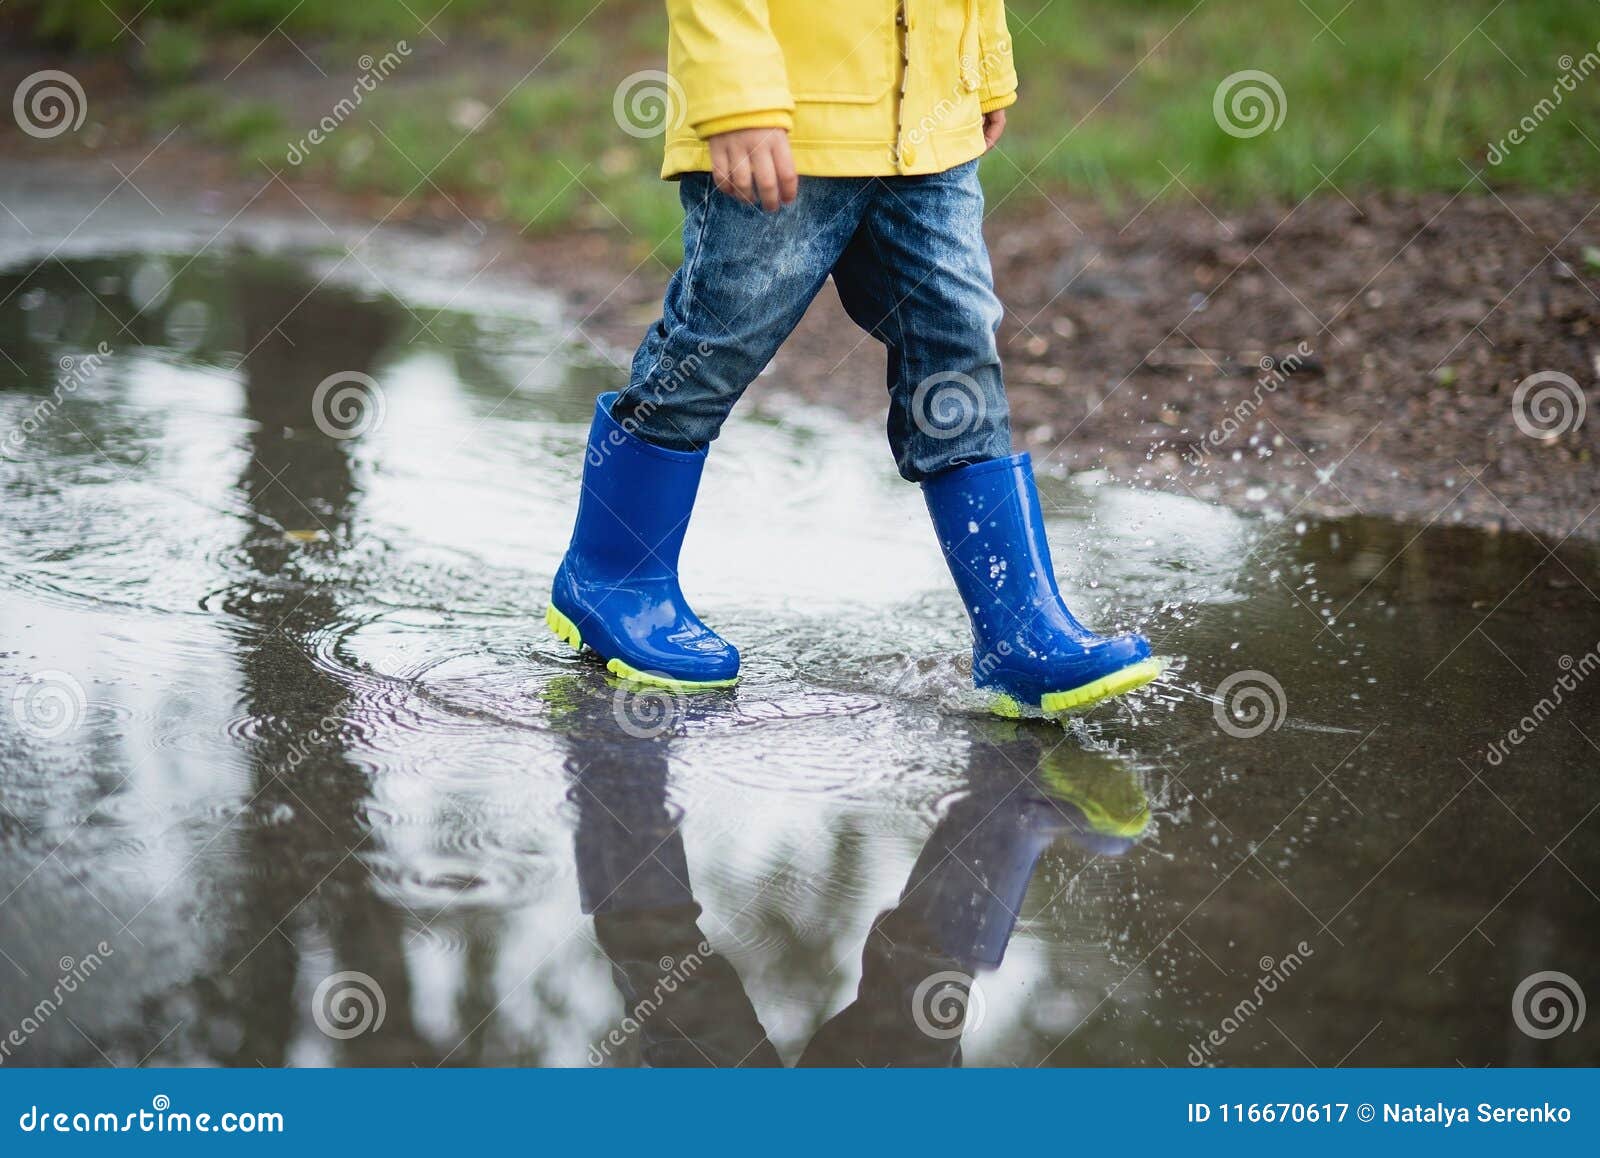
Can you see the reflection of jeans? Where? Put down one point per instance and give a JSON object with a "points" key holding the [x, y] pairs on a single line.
{"points": [[908, 258]]}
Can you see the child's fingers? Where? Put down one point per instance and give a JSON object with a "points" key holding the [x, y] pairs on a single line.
{"points": [[994, 124], [730, 170], [766, 179], [783, 163], [753, 166], [721, 174], [739, 179]]}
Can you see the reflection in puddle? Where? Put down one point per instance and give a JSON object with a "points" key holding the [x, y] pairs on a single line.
{"points": [[288, 734]]}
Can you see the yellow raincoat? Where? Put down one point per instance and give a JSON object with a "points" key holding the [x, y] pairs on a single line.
{"points": [[865, 87]]}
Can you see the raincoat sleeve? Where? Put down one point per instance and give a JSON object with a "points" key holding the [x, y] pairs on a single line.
{"points": [[728, 66], [998, 71]]}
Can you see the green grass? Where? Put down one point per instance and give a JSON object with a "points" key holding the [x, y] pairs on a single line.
{"points": [[1396, 95], [171, 53], [1117, 98], [541, 161], [92, 24]]}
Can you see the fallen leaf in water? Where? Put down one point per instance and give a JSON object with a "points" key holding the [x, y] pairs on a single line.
{"points": [[314, 536]]}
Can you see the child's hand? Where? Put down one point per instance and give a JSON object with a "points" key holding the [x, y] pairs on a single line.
{"points": [[753, 164], [993, 125]]}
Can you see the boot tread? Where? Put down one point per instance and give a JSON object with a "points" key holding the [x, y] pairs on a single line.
{"points": [[1105, 688]]}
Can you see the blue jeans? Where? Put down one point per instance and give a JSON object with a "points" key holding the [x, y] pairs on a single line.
{"points": [[908, 259]]}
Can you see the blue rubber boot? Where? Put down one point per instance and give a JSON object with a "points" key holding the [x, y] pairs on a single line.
{"points": [[616, 590], [1026, 645]]}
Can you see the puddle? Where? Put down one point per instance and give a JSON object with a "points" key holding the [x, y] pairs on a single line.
{"points": [[289, 755]]}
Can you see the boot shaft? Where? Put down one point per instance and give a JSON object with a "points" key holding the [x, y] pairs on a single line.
{"points": [[991, 529], [635, 504]]}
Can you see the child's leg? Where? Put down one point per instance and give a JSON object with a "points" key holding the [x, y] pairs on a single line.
{"points": [[746, 280], [747, 277], [917, 276]]}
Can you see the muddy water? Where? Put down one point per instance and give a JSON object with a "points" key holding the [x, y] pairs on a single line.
{"points": [[291, 772]]}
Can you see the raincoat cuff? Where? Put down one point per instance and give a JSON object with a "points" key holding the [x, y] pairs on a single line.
{"points": [[760, 119], [995, 104]]}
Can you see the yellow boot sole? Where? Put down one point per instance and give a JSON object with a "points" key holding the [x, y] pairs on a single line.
{"points": [[1105, 688], [568, 632], [565, 629]]}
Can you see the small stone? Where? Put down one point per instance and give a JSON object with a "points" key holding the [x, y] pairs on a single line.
{"points": [[468, 114]]}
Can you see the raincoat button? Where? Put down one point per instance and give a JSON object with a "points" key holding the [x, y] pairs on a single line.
{"points": [[908, 156]]}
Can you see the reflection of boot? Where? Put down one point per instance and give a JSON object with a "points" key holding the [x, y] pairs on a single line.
{"points": [[616, 590], [968, 884], [682, 1000], [1103, 799], [960, 905], [1026, 645]]}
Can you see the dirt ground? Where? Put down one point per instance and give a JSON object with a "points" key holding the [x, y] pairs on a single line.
{"points": [[1156, 342]]}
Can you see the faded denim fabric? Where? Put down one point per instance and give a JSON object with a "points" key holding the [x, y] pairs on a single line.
{"points": [[908, 257]]}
